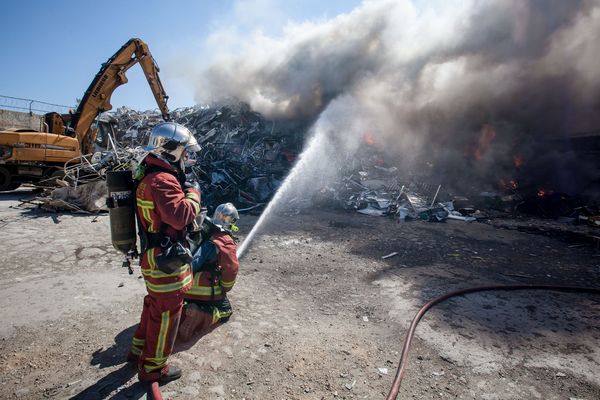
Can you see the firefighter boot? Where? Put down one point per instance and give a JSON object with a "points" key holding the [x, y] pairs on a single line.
{"points": [[167, 374]]}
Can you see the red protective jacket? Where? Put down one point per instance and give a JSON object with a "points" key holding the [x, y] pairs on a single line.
{"points": [[210, 286], [161, 200]]}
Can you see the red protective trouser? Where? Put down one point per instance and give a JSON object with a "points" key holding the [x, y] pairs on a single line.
{"points": [[155, 335], [195, 321]]}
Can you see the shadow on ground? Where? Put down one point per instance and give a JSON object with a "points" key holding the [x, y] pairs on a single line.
{"points": [[112, 356], [20, 194], [112, 382], [117, 353]]}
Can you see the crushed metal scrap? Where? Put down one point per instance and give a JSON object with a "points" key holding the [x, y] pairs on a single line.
{"points": [[245, 157], [372, 187]]}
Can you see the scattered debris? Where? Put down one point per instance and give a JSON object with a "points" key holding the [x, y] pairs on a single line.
{"points": [[395, 253], [24, 392], [86, 198]]}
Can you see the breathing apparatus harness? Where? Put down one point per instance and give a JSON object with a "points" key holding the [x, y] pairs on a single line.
{"points": [[207, 229], [173, 253], [125, 217]]}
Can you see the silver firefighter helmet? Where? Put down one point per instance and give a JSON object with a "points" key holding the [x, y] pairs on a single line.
{"points": [[226, 215], [169, 140]]}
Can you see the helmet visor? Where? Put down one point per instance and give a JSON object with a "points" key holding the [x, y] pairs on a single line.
{"points": [[193, 147]]}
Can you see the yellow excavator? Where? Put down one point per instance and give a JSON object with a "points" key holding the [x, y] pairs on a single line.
{"points": [[32, 156]]}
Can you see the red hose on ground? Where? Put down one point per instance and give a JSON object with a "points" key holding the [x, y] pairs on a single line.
{"points": [[411, 331], [155, 391]]}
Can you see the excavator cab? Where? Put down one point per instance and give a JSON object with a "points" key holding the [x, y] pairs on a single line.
{"points": [[53, 123], [58, 124]]}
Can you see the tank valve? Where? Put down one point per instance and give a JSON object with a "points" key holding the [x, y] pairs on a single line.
{"points": [[127, 264], [131, 255]]}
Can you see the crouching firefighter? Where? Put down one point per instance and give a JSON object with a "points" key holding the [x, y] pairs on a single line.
{"points": [[166, 204], [215, 267]]}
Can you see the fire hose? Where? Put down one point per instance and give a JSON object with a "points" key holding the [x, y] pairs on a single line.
{"points": [[154, 391], [393, 394]]}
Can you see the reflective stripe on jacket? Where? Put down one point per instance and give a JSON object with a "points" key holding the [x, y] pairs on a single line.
{"points": [[160, 200], [203, 287]]}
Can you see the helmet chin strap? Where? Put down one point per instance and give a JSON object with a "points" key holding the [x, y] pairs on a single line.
{"points": [[166, 157]]}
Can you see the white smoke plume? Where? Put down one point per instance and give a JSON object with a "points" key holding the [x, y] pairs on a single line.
{"points": [[468, 86]]}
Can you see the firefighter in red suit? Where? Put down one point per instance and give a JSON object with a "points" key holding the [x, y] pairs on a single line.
{"points": [[215, 267], [166, 205]]}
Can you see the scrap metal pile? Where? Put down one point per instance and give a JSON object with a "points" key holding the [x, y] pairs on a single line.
{"points": [[245, 157]]}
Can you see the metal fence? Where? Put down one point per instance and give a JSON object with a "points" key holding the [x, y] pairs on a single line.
{"points": [[31, 106]]}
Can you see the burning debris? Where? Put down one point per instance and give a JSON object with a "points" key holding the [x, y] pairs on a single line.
{"points": [[374, 188], [245, 158]]}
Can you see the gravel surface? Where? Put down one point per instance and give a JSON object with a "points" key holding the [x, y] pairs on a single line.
{"points": [[318, 313]]}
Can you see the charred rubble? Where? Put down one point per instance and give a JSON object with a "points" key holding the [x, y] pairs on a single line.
{"points": [[373, 185]]}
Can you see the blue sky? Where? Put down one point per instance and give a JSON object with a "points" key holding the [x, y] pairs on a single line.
{"points": [[51, 50]]}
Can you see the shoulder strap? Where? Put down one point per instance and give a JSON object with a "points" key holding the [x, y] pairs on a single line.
{"points": [[147, 240], [141, 231]]}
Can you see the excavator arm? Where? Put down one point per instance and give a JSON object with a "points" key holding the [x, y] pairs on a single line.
{"points": [[112, 75]]}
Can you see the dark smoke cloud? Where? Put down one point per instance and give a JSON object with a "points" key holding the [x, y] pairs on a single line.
{"points": [[429, 82]]}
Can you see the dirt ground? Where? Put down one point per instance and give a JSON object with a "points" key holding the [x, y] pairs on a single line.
{"points": [[318, 313]]}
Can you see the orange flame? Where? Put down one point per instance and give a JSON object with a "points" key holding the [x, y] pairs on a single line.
{"points": [[519, 161], [369, 138]]}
